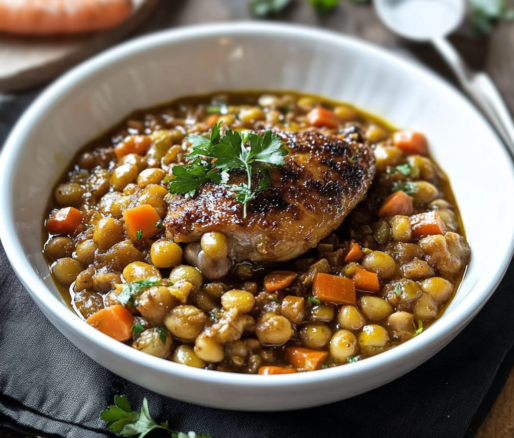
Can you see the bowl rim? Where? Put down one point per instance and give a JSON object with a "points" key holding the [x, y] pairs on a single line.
{"points": [[50, 304]]}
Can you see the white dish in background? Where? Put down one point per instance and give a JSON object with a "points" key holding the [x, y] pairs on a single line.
{"points": [[163, 66]]}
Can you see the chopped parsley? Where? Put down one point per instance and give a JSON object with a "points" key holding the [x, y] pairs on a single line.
{"points": [[122, 420], [275, 298], [354, 159], [139, 235], [314, 301], [137, 329], [420, 327], [212, 159], [162, 334], [407, 187], [215, 315], [326, 364], [159, 225], [404, 168], [136, 287], [398, 289], [167, 179], [353, 359]]}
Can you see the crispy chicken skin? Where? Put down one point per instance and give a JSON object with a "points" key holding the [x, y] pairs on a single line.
{"points": [[323, 179]]}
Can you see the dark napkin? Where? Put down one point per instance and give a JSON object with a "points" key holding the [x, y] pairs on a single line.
{"points": [[50, 387]]}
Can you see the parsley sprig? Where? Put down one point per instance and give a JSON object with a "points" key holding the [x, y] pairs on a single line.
{"points": [[136, 287], [214, 157], [122, 420]]}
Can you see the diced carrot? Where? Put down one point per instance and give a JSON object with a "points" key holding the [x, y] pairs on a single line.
{"points": [[276, 370], [427, 224], [133, 144], [306, 359], [141, 219], [397, 203], [212, 120], [115, 321], [334, 289], [322, 117], [279, 280], [354, 254], [64, 221], [411, 142], [366, 281]]}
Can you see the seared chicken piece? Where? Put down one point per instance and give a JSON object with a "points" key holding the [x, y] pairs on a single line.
{"points": [[323, 179]]}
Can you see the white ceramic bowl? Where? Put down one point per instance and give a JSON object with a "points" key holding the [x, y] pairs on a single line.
{"points": [[160, 67]]}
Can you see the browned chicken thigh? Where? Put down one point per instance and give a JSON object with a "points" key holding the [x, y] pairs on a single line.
{"points": [[323, 179]]}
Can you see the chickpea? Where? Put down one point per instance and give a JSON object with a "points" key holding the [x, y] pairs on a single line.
{"points": [[273, 329], [191, 253], [227, 119], [173, 155], [273, 117], [155, 303], [215, 290], [380, 263], [387, 156], [204, 301], [408, 290], [66, 270], [401, 322], [417, 269], [181, 290], [150, 176], [439, 204], [343, 345], [251, 115], [306, 103], [130, 189], [186, 273], [119, 256], [185, 355], [438, 288], [84, 280], [315, 335], [85, 252], [238, 299], [98, 183], [268, 100], [425, 192], [123, 175], [424, 164], [448, 218], [208, 349], [69, 194], [59, 247], [375, 308], [213, 269], [425, 307], [150, 342], [108, 232], [401, 228], [293, 308], [139, 271], [346, 113], [350, 318], [153, 194], [375, 134], [113, 204], [185, 322], [105, 281], [166, 254], [214, 245], [322, 313], [373, 339], [134, 159]]}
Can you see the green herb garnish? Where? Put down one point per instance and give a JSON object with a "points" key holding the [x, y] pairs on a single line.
{"points": [[391, 171], [214, 157], [314, 301], [353, 359], [326, 364], [323, 6], [407, 187], [136, 287], [420, 327], [167, 179], [139, 235], [122, 420], [159, 225], [137, 329], [404, 168], [486, 12], [163, 331], [261, 8], [214, 110], [274, 298], [354, 159], [215, 315], [398, 289]]}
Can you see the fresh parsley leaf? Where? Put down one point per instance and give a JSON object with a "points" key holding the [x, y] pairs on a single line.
{"points": [[314, 301], [137, 329], [391, 171], [189, 178], [215, 315], [163, 331], [159, 225], [398, 289], [326, 364], [139, 235], [404, 168], [353, 359], [261, 8], [136, 287], [123, 421], [274, 298], [420, 327], [486, 12], [407, 187], [323, 6], [354, 159]]}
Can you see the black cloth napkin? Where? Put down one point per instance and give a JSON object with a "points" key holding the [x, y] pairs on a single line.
{"points": [[50, 387]]}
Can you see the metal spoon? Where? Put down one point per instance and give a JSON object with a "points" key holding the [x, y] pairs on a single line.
{"points": [[433, 20]]}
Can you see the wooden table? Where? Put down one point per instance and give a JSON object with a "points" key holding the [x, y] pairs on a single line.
{"points": [[494, 54]]}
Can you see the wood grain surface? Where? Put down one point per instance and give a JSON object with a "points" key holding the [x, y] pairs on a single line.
{"points": [[494, 54]]}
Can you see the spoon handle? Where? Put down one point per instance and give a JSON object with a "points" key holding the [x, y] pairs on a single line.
{"points": [[482, 90]]}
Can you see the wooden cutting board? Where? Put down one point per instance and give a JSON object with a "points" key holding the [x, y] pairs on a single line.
{"points": [[29, 61]]}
